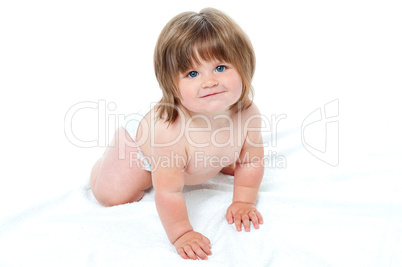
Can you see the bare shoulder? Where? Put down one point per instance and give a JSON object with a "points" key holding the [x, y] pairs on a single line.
{"points": [[253, 109], [168, 137], [168, 132], [251, 116]]}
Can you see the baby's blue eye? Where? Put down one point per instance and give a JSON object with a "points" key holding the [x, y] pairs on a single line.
{"points": [[192, 74], [220, 68]]}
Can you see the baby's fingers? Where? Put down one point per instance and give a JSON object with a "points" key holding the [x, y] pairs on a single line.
{"points": [[207, 241], [229, 216], [246, 222], [202, 250], [237, 220], [254, 219], [259, 216], [182, 253], [196, 250], [190, 253]]}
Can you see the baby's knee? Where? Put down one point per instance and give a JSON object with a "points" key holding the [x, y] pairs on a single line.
{"points": [[109, 197]]}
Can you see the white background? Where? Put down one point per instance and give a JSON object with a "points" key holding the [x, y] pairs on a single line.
{"points": [[55, 54]]}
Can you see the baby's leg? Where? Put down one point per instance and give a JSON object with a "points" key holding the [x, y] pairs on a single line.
{"points": [[121, 180], [229, 169]]}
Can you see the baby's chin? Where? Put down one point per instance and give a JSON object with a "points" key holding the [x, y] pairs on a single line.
{"points": [[209, 108], [210, 111]]}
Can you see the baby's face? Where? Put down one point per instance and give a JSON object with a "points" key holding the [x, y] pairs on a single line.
{"points": [[211, 87]]}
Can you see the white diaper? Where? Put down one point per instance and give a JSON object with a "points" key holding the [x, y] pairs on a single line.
{"points": [[130, 124]]}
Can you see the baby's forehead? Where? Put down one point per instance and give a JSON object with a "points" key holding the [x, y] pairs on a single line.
{"points": [[209, 61], [197, 60]]}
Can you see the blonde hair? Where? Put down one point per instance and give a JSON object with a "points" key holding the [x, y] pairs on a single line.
{"points": [[210, 34]]}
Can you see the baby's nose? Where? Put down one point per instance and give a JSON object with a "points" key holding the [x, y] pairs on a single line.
{"points": [[207, 83]]}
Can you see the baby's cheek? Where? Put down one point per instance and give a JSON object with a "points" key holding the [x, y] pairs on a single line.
{"points": [[237, 87], [184, 102], [237, 95]]}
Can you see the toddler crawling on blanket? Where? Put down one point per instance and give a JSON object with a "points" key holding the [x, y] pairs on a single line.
{"points": [[204, 124]]}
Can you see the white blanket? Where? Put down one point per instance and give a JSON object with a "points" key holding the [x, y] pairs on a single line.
{"points": [[314, 215]]}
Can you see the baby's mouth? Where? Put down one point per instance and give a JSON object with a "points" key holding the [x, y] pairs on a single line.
{"points": [[211, 94]]}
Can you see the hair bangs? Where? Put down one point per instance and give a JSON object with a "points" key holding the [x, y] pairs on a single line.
{"points": [[206, 45]]}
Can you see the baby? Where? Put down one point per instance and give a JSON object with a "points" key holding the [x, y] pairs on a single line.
{"points": [[204, 124]]}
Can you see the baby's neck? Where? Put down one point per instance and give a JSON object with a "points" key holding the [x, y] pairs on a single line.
{"points": [[213, 120]]}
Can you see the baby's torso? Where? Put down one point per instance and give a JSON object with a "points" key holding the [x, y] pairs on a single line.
{"points": [[209, 146]]}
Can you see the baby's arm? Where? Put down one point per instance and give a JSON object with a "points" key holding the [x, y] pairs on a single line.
{"points": [[168, 185], [168, 182], [247, 179]]}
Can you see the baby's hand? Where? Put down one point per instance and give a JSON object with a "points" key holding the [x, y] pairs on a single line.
{"points": [[193, 244], [240, 212]]}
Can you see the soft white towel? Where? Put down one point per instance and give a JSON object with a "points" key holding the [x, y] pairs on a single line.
{"points": [[315, 215]]}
